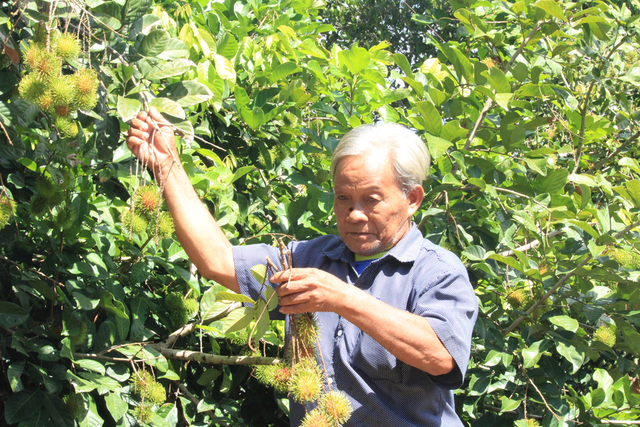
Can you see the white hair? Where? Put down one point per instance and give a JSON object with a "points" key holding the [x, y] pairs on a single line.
{"points": [[406, 150]]}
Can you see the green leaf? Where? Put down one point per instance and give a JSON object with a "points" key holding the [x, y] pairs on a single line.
{"points": [[401, 61], [431, 117], [462, 65], [164, 70], [355, 59], [22, 405], [227, 45], [116, 406], [533, 353], [282, 71], [565, 322], [511, 262], [187, 93], [224, 68], [59, 412], [437, 146], [497, 80], [91, 365], [271, 296], [167, 106], [570, 353], [128, 108], [633, 188], [238, 319], [13, 374], [552, 183], [228, 296], [12, 315], [552, 8], [254, 118], [154, 43], [509, 404], [175, 49], [630, 163], [259, 272]]}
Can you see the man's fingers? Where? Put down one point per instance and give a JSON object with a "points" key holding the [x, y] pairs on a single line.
{"points": [[139, 124], [155, 115]]}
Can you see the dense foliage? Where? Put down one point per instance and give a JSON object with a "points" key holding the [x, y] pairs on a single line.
{"points": [[529, 116]]}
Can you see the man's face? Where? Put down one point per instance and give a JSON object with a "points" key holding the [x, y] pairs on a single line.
{"points": [[372, 212]]}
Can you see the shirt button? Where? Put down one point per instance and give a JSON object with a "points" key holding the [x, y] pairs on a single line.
{"points": [[339, 333]]}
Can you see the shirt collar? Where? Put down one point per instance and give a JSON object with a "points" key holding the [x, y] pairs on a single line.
{"points": [[406, 250]]}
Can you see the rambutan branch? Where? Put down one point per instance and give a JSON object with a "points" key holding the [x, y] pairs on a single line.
{"points": [[213, 359]]}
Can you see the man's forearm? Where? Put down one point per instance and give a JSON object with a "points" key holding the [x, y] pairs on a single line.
{"points": [[201, 237], [407, 336]]}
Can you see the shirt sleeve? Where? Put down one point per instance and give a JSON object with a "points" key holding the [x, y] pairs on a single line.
{"points": [[449, 303], [246, 257]]}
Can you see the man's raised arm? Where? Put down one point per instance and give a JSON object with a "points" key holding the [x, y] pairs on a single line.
{"points": [[152, 141]]}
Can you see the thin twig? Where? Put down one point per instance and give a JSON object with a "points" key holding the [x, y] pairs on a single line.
{"points": [[213, 359]]}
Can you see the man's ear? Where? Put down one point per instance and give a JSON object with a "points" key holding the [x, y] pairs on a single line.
{"points": [[415, 197]]}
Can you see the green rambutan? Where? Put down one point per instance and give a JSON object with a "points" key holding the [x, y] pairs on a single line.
{"points": [[306, 383], [165, 225], [136, 223], [336, 406], [67, 46], [155, 393], [32, 87], [605, 335], [143, 413], [179, 310], [626, 259], [45, 186], [265, 374], [7, 210], [518, 298], [316, 418], [80, 337], [67, 127], [65, 217], [63, 92], [306, 328], [38, 205], [191, 306]]}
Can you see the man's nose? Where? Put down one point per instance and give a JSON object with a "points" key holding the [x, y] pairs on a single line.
{"points": [[357, 213]]}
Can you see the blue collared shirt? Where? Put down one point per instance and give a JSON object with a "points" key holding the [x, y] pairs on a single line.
{"points": [[416, 276]]}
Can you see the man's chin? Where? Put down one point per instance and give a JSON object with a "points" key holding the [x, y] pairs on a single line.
{"points": [[365, 249]]}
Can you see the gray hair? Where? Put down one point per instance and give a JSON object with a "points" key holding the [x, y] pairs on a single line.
{"points": [[406, 151]]}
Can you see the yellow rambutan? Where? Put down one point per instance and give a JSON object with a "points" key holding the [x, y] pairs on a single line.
{"points": [[316, 418], [165, 226], [86, 81], [66, 126], [148, 199], [605, 335], [518, 298], [336, 406], [306, 328], [306, 383]]}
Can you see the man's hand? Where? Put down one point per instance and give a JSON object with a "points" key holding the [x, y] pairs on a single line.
{"points": [[309, 290], [152, 141]]}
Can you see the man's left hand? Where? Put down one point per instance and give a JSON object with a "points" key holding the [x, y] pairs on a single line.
{"points": [[304, 290]]}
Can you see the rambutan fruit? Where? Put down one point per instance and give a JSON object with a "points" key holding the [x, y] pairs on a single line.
{"points": [[306, 383], [336, 406], [39, 60], [63, 92], [87, 102], [605, 335], [67, 46], [265, 374], [626, 259], [45, 102], [176, 307], [155, 393], [80, 337], [38, 205], [143, 413], [86, 81], [66, 126], [65, 217], [7, 210], [191, 306], [165, 225], [282, 378], [306, 328], [32, 87], [148, 199], [47, 189], [134, 222], [517, 298], [316, 418]]}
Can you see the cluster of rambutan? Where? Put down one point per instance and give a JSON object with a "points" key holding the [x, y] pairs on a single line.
{"points": [[57, 93], [147, 215], [49, 197], [303, 380], [150, 393], [7, 210], [180, 309]]}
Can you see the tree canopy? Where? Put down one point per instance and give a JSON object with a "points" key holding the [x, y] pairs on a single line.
{"points": [[529, 112]]}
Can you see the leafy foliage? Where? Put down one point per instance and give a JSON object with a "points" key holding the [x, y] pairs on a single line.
{"points": [[529, 116]]}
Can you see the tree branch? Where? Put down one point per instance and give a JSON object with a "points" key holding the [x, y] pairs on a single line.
{"points": [[213, 359], [489, 103], [615, 153], [191, 327]]}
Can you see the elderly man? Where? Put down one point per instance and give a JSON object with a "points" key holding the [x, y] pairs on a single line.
{"points": [[395, 311]]}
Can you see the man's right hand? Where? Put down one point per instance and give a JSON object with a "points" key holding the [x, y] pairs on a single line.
{"points": [[151, 140]]}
